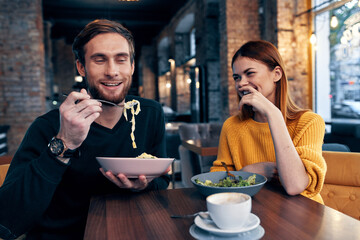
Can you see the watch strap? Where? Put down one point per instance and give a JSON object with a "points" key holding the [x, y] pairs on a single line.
{"points": [[68, 153]]}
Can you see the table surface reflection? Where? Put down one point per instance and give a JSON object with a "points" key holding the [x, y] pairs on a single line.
{"points": [[147, 216]]}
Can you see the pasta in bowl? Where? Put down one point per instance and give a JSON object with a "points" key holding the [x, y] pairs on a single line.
{"points": [[132, 167]]}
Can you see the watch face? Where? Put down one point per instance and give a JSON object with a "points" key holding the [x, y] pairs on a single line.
{"points": [[56, 146]]}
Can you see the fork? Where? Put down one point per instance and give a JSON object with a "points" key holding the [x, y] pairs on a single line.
{"points": [[100, 100], [232, 176]]}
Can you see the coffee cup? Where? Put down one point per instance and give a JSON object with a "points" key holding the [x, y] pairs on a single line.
{"points": [[229, 210]]}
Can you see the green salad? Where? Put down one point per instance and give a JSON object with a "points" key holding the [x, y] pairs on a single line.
{"points": [[227, 182]]}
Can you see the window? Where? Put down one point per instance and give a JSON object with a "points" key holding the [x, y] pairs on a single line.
{"points": [[337, 61]]}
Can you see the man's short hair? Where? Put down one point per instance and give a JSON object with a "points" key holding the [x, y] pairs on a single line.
{"points": [[97, 27]]}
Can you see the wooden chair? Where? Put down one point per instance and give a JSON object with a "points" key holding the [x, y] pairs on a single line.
{"points": [[3, 170], [341, 189], [5, 161], [4, 166], [192, 163]]}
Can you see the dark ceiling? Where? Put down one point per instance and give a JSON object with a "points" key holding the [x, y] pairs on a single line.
{"points": [[144, 18]]}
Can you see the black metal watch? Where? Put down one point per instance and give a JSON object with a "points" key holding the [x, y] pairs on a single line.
{"points": [[59, 149]]}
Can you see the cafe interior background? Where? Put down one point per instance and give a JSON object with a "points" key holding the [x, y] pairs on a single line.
{"points": [[183, 54]]}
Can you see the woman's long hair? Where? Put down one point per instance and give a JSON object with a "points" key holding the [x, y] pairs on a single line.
{"points": [[268, 54]]}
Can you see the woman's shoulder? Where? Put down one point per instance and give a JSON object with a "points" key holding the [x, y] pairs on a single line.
{"points": [[310, 116]]}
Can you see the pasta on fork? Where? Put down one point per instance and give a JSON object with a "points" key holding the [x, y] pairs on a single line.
{"points": [[130, 105]]}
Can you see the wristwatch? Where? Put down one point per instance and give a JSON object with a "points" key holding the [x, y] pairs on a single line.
{"points": [[59, 149]]}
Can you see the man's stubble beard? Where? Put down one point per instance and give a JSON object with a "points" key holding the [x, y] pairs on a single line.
{"points": [[96, 94]]}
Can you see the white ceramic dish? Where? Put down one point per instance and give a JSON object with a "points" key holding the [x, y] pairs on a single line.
{"points": [[209, 226], [133, 167], [254, 234]]}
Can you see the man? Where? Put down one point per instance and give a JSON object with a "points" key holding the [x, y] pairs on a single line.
{"points": [[54, 173]]}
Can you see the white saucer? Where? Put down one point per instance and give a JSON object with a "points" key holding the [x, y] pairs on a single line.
{"points": [[209, 225], [198, 233]]}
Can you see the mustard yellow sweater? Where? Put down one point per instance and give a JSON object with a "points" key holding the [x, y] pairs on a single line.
{"points": [[247, 142]]}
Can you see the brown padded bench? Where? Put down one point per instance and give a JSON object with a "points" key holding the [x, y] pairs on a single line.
{"points": [[341, 190]]}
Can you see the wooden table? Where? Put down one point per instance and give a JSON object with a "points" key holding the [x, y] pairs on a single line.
{"points": [[203, 147], [147, 216]]}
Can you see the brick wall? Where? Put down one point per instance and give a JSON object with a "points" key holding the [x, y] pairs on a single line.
{"points": [[147, 72], [239, 23], [63, 65], [223, 61], [293, 45], [22, 80]]}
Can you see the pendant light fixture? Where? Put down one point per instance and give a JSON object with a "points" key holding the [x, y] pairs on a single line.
{"points": [[313, 38], [334, 21]]}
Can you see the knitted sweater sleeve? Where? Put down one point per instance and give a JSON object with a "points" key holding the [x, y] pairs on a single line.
{"points": [[308, 139]]}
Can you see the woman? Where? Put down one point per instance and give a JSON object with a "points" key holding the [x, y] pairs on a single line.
{"points": [[271, 136]]}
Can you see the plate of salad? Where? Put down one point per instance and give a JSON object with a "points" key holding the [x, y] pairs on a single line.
{"points": [[216, 182]]}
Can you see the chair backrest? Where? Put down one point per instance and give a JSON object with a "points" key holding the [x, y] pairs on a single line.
{"points": [[194, 131], [5, 159], [341, 189], [190, 162], [3, 139], [187, 166], [189, 131], [215, 130], [346, 129], [172, 144], [335, 147], [3, 170]]}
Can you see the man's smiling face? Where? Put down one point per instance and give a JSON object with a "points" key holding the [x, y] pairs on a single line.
{"points": [[107, 69]]}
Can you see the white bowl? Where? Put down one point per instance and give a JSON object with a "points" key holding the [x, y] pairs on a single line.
{"points": [[133, 167]]}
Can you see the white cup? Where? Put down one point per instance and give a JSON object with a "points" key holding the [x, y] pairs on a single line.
{"points": [[229, 210]]}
